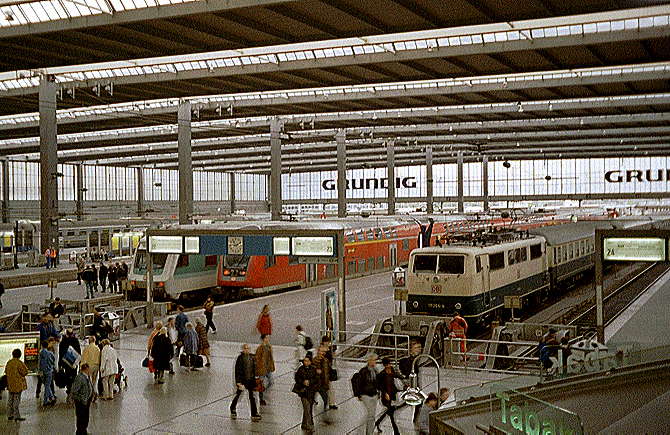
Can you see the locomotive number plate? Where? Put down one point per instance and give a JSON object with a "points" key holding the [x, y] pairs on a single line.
{"points": [[436, 289]]}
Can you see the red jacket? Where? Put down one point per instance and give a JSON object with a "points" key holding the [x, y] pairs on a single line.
{"points": [[264, 324]]}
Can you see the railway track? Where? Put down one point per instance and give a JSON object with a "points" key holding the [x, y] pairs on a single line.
{"points": [[619, 299]]}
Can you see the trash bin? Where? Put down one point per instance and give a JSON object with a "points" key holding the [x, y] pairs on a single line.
{"points": [[114, 320]]}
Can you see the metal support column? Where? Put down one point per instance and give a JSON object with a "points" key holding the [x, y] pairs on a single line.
{"points": [[275, 173], [390, 175], [429, 180], [341, 287], [233, 205], [461, 208], [79, 186], [48, 164], [485, 181], [600, 319], [185, 164], [340, 138], [139, 176], [150, 286], [5, 192]]}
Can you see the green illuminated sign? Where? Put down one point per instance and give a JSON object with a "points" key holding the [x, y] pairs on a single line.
{"points": [[522, 414]]}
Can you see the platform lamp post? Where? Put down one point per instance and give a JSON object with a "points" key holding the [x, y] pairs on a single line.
{"points": [[414, 395], [150, 286]]}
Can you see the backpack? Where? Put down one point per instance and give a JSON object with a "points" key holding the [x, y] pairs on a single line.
{"points": [[309, 344], [356, 383]]}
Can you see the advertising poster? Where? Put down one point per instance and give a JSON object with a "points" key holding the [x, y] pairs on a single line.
{"points": [[27, 342], [329, 314]]}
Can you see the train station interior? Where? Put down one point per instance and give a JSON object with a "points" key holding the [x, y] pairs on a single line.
{"points": [[477, 190]]}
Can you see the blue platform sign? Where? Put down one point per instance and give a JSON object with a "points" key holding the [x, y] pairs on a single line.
{"points": [[267, 245]]}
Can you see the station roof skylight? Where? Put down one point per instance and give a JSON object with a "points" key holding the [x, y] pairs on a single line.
{"points": [[24, 12]]}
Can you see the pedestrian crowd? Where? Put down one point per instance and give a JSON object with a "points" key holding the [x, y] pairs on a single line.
{"points": [[96, 371], [102, 278], [87, 374]]}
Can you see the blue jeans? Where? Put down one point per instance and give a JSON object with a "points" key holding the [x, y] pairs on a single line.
{"points": [[47, 383]]}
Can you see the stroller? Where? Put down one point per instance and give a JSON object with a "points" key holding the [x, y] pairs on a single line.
{"points": [[120, 377]]}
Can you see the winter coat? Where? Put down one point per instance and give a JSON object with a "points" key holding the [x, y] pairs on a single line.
{"points": [[386, 385], [82, 389], [367, 382], [108, 359], [306, 373], [102, 272], [16, 372], [264, 324], [65, 343], [47, 330], [191, 342], [245, 369], [203, 343], [162, 352], [263, 355], [322, 363], [91, 356], [180, 323]]}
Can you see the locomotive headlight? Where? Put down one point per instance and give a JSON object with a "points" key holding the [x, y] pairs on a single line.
{"points": [[415, 304], [436, 279], [387, 327], [458, 306]]}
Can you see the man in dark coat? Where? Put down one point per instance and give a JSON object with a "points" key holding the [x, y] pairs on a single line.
{"points": [[102, 276], [56, 308], [112, 276], [82, 393], [2, 292], [388, 392], [68, 340], [245, 377], [162, 352]]}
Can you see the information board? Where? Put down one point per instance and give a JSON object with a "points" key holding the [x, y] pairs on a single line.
{"points": [[313, 246], [166, 244], [281, 246], [191, 245], [634, 249], [27, 343]]}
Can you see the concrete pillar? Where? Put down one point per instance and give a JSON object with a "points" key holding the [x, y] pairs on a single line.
{"points": [[185, 164], [461, 208], [340, 138], [5, 192], [268, 189], [139, 178], [233, 204], [485, 181], [79, 186], [390, 175], [48, 164], [275, 173], [429, 180]]}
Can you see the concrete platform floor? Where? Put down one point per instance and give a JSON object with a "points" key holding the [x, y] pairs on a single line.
{"points": [[198, 402]]}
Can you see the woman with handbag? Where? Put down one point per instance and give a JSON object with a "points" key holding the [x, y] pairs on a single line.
{"points": [[306, 385], [161, 352]]}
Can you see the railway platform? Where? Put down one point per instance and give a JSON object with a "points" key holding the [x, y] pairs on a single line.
{"points": [[198, 402], [646, 320]]}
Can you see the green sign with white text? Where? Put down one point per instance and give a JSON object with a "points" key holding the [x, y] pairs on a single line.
{"points": [[522, 414]]}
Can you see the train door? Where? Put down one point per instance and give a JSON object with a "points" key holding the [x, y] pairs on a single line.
{"points": [[310, 271], [482, 268], [393, 255]]}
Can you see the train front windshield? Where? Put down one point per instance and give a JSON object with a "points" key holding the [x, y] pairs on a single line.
{"points": [[235, 261], [140, 266], [444, 264]]}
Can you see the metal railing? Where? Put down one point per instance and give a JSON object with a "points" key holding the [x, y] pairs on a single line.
{"points": [[452, 346], [400, 348]]}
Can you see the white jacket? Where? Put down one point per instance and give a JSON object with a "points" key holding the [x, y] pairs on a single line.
{"points": [[108, 359]]}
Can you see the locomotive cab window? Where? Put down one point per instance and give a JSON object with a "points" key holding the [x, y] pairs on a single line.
{"points": [[535, 251], [425, 263], [511, 257], [451, 264], [478, 263], [497, 261]]}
